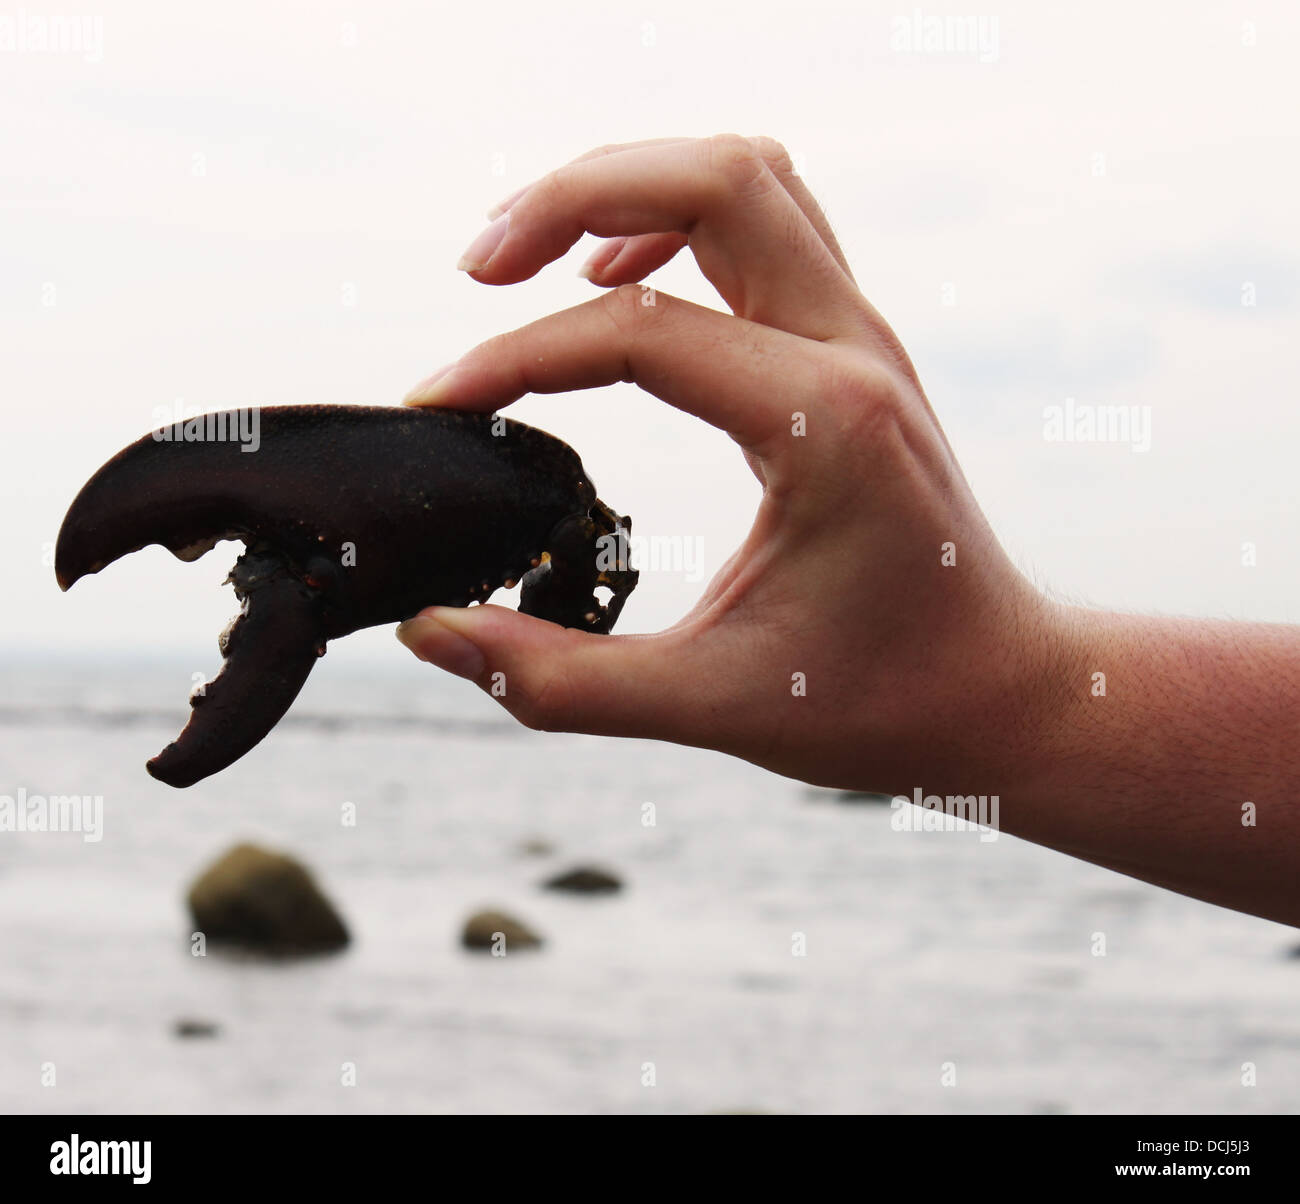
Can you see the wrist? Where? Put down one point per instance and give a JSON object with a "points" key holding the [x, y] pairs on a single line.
{"points": [[1028, 721]]}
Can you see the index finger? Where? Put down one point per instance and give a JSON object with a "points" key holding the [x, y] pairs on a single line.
{"points": [[715, 366]]}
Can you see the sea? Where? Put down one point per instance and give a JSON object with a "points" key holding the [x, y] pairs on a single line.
{"points": [[775, 948]]}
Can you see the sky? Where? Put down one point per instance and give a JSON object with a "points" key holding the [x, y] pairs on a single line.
{"points": [[248, 204]]}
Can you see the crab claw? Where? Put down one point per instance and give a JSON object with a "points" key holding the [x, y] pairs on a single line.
{"points": [[568, 580], [270, 647], [352, 516]]}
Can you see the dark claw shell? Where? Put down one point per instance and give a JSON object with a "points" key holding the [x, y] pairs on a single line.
{"points": [[353, 516]]}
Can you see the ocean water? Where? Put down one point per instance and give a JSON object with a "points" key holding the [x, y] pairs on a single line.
{"points": [[925, 956]]}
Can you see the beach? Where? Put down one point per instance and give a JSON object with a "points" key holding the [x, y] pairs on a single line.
{"points": [[774, 948]]}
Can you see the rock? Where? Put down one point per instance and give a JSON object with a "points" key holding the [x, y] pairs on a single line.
{"points": [[535, 846], [585, 880], [195, 1028], [862, 796], [830, 794], [264, 902], [490, 930]]}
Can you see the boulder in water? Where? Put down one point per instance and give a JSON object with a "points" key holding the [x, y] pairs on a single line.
{"points": [[264, 902]]}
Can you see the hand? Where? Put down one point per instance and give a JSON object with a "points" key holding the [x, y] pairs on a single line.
{"points": [[870, 633]]}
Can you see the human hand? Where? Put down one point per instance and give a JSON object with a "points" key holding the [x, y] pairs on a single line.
{"points": [[870, 632]]}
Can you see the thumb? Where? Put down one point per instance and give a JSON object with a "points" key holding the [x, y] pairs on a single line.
{"points": [[552, 678]]}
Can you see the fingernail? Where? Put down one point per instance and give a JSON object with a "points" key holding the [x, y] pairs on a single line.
{"points": [[601, 258], [430, 389], [480, 251], [439, 645]]}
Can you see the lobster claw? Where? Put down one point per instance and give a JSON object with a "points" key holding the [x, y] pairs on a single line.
{"points": [[352, 516]]}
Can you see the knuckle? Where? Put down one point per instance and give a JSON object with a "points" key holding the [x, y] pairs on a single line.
{"points": [[735, 161], [879, 413], [865, 397], [774, 154], [627, 308]]}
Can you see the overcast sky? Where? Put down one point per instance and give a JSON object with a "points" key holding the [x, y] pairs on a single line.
{"points": [[1098, 208]]}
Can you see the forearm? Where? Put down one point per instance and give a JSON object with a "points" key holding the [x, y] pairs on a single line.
{"points": [[1181, 765]]}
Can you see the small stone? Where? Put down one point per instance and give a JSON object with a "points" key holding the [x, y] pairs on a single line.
{"points": [[862, 796], [535, 846], [495, 930], [585, 880]]}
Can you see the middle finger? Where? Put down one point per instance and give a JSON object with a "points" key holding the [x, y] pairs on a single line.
{"points": [[751, 239]]}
